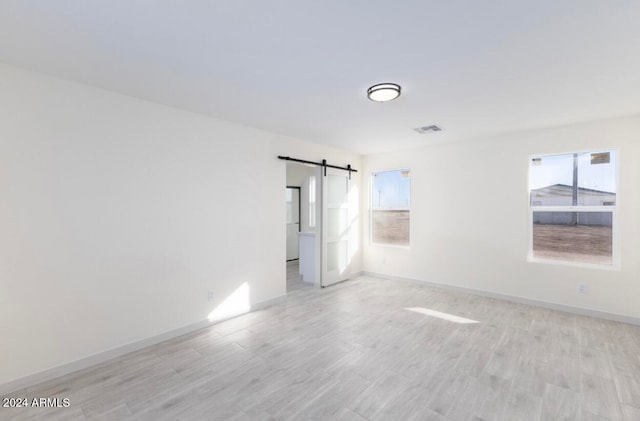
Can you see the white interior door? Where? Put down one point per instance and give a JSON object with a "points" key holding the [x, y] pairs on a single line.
{"points": [[335, 227], [292, 199]]}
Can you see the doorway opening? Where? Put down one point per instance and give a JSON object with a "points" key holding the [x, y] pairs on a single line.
{"points": [[300, 200], [322, 215]]}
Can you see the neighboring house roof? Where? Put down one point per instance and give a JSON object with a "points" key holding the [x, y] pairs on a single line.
{"points": [[556, 189]]}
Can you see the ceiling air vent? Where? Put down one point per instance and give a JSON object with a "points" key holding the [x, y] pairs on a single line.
{"points": [[428, 129]]}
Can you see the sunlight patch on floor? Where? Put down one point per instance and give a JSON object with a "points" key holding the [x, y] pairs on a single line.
{"points": [[440, 315]]}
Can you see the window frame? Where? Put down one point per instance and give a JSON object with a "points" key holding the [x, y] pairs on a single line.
{"points": [[613, 210], [372, 209]]}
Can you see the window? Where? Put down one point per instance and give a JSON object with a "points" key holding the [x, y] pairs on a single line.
{"points": [[572, 202], [390, 201]]}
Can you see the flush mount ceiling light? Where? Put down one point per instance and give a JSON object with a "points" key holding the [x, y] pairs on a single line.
{"points": [[383, 92]]}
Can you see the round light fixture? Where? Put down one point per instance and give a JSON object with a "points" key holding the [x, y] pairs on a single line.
{"points": [[383, 92]]}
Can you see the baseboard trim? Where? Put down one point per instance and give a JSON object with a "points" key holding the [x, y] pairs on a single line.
{"points": [[516, 299], [101, 357], [268, 303]]}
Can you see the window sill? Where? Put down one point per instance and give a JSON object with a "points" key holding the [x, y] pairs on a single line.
{"points": [[395, 246], [613, 267]]}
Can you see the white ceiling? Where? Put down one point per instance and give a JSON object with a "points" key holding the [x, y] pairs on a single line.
{"points": [[301, 67]]}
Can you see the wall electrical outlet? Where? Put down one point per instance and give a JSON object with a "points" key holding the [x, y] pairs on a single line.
{"points": [[582, 288], [210, 295]]}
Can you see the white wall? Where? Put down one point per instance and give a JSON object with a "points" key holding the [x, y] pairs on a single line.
{"points": [[118, 215], [469, 218], [298, 174]]}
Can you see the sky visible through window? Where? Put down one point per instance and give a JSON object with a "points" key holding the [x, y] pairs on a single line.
{"points": [[391, 189], [558, 169]]}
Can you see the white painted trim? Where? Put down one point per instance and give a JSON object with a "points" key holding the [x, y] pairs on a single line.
{"points": [[516, 299], [267, 303], [91, 360], [395, 246], [612, 267]]}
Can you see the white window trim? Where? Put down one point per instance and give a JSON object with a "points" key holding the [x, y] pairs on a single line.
{"points": [[616, 264]]}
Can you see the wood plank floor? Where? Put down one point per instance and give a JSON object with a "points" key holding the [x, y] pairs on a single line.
{"points": [[294, 279], [354, 352]]}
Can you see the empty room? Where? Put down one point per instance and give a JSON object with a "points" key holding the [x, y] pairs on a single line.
{"points": [[320, 210]]}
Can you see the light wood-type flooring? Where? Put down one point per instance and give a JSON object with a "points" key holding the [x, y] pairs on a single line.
{"points": [[294, 279], [354, 351]]}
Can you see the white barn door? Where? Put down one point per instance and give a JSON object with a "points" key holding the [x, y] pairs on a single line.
{"points": [[335, 227]]}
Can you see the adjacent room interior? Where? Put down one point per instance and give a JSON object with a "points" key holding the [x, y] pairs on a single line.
{"points": [[319, 210]]}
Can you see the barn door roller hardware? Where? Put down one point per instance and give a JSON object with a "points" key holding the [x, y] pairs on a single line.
{"points": [[322, 164]]}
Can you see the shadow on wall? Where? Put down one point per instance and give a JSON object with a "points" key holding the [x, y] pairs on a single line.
{"points": [[237, 303]]}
